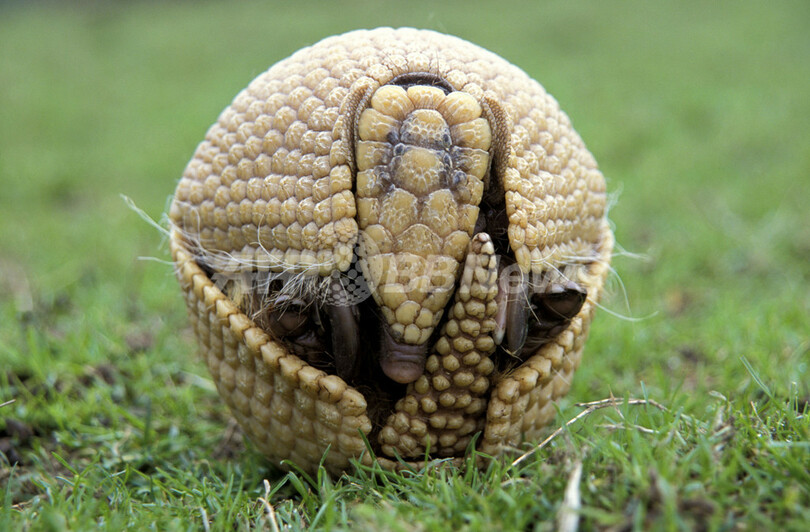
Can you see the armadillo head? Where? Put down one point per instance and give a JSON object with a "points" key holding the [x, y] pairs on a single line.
{"points": [[422, 155]]}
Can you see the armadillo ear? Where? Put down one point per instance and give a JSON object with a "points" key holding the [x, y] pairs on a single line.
{"points": [[552, 311], [561, 302]]}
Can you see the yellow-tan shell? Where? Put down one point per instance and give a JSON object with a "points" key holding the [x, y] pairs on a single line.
{"points": [[283, 184]]}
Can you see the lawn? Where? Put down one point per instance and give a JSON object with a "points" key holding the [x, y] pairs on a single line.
{"points": [[698, 115]]}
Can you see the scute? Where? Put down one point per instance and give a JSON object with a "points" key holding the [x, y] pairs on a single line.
{"points": [[392, 101]]}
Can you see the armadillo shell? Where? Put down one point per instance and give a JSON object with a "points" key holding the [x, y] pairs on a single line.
{"points": [[250, 198]]}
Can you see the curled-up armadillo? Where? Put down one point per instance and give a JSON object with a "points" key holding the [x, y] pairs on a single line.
{"points": [[396, 234]]}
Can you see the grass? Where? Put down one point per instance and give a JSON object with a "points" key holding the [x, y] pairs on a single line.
{"points": [[697, 113]]}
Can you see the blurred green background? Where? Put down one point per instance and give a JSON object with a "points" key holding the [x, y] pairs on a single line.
{"points": [[697, 112]]}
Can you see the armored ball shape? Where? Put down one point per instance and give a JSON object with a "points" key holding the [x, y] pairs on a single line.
{"points": [[393, 235]]}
